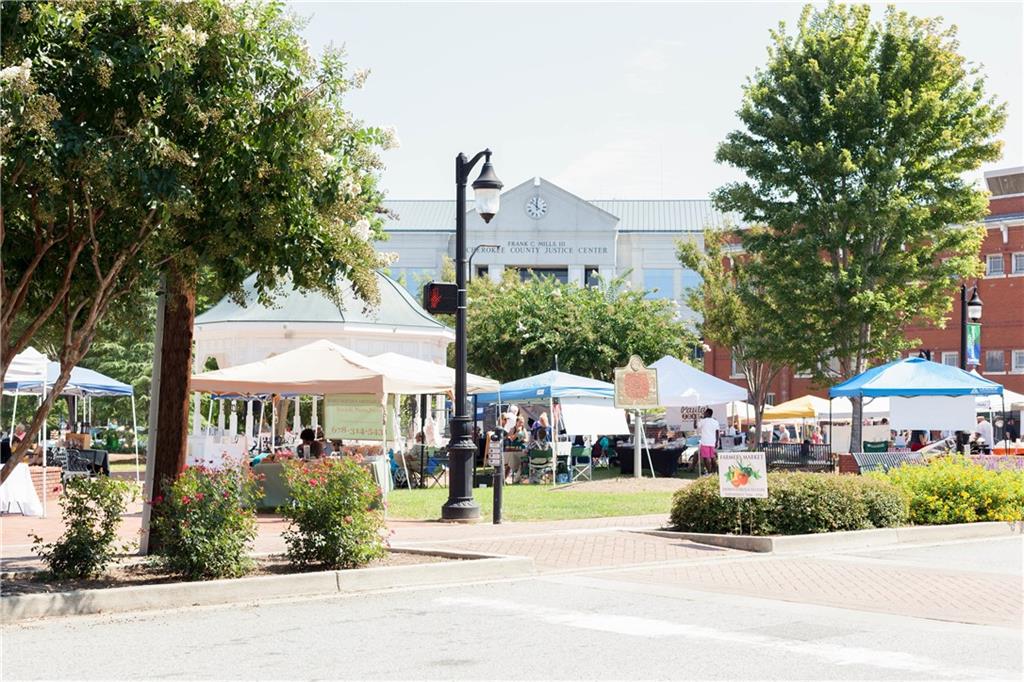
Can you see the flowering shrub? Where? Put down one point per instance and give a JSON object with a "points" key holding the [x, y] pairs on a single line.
{"points": [[956, 490], [797, 503], [91, 510], [207, 523], [335, 514]]}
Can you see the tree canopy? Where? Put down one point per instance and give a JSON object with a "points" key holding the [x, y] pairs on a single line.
{"points": [[517, 328]]}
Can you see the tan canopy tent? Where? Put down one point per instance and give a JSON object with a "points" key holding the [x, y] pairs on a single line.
{"points": [[318, 368], [432, 371]]}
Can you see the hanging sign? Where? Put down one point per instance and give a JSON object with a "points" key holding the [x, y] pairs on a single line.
{"points": [[355, 416], [636, 386], [973, 343], [742, 474]]}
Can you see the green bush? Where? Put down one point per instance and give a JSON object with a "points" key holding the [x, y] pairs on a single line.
{"points": [[956, 490], [797, 503], [335, 514], [91, 510], [207, 523]]}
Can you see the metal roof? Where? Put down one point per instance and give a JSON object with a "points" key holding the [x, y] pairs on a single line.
{"points": [[655, 215], [397, 307]]}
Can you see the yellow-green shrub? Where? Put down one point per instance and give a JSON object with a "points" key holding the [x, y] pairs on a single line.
{"points": [[956, 490]]}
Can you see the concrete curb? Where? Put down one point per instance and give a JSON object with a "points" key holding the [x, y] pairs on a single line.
{"points": [[245, 590], [852, 539]]}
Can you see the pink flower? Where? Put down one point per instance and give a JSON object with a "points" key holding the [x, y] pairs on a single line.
{"points": [[185, 499], [56, 489], [312, 482], [200, 497], [226, 494], [158, 499]]}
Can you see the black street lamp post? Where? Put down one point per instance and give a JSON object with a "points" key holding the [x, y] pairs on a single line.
{"points": [[968, 309], [461, 449]]}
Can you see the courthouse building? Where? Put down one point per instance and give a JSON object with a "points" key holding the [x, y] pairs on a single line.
{"points": [[543, 229]]}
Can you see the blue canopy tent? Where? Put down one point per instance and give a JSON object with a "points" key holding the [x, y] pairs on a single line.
{"points": [[914, 377], [83, 383], [546, 388]]}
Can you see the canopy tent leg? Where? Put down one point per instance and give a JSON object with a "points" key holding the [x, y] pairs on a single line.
{"points": [[259, 427], [135, 430], [297, 419], [248, 422], [273, 424], [42, 439], [553, 439], [647, 449], [315, 419], [209, 417], [197, 414], [14, 412]]}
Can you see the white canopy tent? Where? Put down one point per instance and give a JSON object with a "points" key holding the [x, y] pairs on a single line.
{"points": [[30, 366], [683, 385]]}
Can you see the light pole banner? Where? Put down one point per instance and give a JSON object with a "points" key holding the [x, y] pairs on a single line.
{"points": [[973, 343], [742, 474]]}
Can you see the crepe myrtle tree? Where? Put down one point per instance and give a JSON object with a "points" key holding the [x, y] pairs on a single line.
{"points": [[733, 313], [856, 137], [517, 328], [139, 138]]}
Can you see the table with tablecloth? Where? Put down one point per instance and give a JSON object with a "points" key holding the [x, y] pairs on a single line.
{"points": [[18, 495]]}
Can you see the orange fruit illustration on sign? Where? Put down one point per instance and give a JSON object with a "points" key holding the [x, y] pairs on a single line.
{"points": [[739, 474]]}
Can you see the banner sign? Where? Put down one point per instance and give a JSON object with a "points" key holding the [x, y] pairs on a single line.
{"points": [[973, 343], [636, 386], [742, 474], [355, 416]]}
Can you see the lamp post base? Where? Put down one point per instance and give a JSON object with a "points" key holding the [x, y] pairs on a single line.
{"points": [[461, 511]]}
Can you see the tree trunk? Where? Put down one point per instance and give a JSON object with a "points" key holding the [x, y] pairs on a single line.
{"points": [[857, 424], [175, 370]]}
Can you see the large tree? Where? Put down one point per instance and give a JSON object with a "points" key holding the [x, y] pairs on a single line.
{"points": [[518, 328], [855, 141], [733, 313], [147, 138]]}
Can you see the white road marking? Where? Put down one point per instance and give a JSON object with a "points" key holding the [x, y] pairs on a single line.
{"points": [[660, 629]]}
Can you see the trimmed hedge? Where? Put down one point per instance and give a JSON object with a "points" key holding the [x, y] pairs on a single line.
{"points": [[797, 503], [956, 490]]}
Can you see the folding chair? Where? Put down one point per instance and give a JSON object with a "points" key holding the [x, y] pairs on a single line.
{"points": [[437, 466], [76, 466], [582, 464], [540, 465]]}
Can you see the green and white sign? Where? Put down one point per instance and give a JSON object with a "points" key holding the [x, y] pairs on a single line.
{"points": [[355, 416], [973, 343]]}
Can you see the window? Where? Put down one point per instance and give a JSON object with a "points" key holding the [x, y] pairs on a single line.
{"points": [[995, 361], [1017, 366], [659, 283], [994, 264], [1018, 264], [691, 280], [698, 351], [951, 358], [734, 369], [591, 276], [769, 399], [481, 271], [561, 274]]}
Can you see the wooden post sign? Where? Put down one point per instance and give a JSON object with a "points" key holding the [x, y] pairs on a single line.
{"points": [[636, 386]]}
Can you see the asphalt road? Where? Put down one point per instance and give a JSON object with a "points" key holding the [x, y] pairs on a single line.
{"points": [[587, 625]]}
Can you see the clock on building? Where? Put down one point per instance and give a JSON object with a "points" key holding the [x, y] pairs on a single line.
{"points": [[536, 208]]}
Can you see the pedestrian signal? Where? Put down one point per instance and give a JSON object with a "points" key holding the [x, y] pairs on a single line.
{"points": [[440, 297]]}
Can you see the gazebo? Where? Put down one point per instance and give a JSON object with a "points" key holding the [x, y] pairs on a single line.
{"points": [[237, 333]]}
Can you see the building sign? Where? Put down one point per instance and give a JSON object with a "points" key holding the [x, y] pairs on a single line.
{"points": [[355, 416], [535, 247], [973, 343], [636, 386], [742, 474]]}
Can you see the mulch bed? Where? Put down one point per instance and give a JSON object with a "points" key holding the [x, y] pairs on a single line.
{"points": [[146, 572]]}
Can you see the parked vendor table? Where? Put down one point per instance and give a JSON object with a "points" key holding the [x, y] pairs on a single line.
{"points": [[665, 460], [18, 495]]}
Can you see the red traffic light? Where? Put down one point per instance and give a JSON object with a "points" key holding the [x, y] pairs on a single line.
{"points": [[440, 297]]}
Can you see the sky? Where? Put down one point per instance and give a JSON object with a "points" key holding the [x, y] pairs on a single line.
{"points": [[609, 100]]}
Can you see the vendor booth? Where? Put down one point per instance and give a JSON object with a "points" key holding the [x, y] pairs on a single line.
{"points": [[923, 395], [578, 406], [84, 383]]}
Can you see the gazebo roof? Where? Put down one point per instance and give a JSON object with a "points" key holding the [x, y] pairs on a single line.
{"points": [[397, 308]]}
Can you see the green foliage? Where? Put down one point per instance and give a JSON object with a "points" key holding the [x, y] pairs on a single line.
{"points": [[855, 143], [956, 490], [207, 522], [91, 511], [335, 515], [797, 503], [516, 328]]}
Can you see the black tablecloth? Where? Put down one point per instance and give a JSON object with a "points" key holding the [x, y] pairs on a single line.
{"points": [[666, 461], [98, 460]]}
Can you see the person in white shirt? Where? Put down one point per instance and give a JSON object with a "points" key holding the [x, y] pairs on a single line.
{"points": [[709, 430], [984, 430]]}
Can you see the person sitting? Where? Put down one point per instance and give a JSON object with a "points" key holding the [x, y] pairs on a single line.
{"points": [[310, 447], [918, 439]]}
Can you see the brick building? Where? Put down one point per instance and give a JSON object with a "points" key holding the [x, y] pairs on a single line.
{"points": [[1001, 290]]}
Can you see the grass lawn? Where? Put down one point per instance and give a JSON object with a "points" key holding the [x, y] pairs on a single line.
{"points": [[127, 466], [532, 503]]}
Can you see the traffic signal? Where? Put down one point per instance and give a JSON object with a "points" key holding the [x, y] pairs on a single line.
{"points": [[440, 297]]}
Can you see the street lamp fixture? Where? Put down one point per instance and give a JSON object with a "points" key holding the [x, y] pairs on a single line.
{"points": [[969, 309], [461, 449], [473, 253]]}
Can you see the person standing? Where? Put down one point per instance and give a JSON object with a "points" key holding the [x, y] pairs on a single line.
{"points": [[984, 432], [709, 432]]}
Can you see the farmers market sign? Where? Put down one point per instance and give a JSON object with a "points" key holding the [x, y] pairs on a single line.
{"points": [[742, 474], [636, 386]]}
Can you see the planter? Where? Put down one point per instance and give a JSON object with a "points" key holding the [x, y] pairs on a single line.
{"points": [[273, 487]]}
